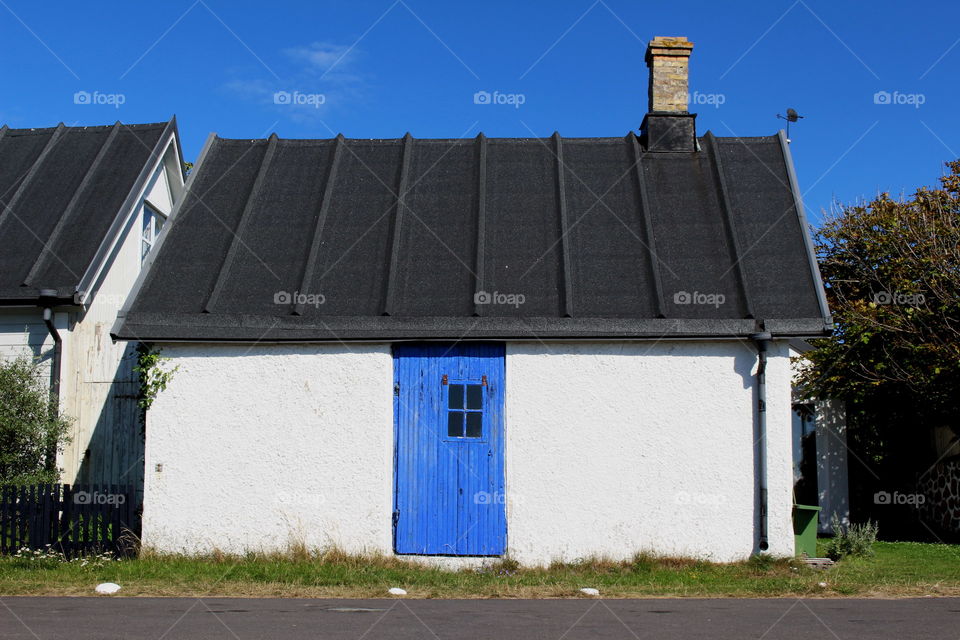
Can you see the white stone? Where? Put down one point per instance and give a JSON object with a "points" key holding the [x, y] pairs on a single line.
{"points": [[107, 588], [396, 591], [589, 591]]}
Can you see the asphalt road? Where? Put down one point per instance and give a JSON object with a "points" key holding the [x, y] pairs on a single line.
{"points": [[242, 618]]}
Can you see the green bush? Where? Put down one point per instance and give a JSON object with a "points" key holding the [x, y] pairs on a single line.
{"points": [[32, 429], [855, 540]]}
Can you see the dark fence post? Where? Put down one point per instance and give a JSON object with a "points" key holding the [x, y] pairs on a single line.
{"points": [[5, 519], [66, 521]]}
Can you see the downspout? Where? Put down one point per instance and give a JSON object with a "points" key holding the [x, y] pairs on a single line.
{"points": [[47, 299], [47, 296], [763, 341]]}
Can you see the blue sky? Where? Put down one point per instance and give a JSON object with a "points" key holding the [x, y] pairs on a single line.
{"points": [[876, 82]]}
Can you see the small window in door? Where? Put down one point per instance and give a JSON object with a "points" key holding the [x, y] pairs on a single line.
{"points": [[465, 410]]}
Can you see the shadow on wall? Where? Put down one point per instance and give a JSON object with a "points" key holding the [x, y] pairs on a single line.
{"points": [[114, 453], [746, 367], [31, 346]]}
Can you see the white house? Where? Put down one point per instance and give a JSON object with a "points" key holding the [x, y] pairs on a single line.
{"points": [[543, 348], [81, 208], [820, 450]]}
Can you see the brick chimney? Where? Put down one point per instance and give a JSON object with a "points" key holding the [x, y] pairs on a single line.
{"points": [[668, 126]]}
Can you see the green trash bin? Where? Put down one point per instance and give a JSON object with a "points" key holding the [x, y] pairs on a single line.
{"points": [[805, 529]]}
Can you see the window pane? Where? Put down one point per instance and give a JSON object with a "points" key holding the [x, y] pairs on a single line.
{"points": [[455, 424], [456, 396], [474, 425], [474, 396], [147, 224]]}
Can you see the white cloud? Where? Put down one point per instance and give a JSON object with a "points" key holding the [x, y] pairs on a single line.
{"points": [[322, 56], [314, 79]]}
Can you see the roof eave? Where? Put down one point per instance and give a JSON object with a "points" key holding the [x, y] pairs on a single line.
{"points": [[204, 328]]}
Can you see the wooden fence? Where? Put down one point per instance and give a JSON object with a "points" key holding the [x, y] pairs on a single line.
{"points": [[74, 520]]}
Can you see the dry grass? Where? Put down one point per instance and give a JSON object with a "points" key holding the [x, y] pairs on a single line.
{"points": [[898, 570]]}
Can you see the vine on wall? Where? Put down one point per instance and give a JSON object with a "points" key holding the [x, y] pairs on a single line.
{"points": [[154, 373]]}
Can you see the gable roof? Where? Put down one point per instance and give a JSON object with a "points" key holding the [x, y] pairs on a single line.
{"points": [[63, 191], [393, 239]]}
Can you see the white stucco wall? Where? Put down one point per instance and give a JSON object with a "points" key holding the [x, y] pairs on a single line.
{"points": [[618, 448], [611, 449], [263, 447]]}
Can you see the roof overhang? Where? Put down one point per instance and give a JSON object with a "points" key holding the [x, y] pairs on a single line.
{"points": [[240, 328]]}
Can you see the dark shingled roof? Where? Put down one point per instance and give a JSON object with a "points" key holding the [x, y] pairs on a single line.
{"points": [[61, 192], [394, 238]]}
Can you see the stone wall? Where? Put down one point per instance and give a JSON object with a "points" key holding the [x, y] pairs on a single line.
{"points": [[941, 489]]}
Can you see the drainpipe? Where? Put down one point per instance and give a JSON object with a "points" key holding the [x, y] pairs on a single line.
{"points": [[47, 300], [47, 296], [763, 341]]}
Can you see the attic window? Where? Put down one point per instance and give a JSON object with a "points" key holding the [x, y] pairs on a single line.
{"points": [[152, 224]]}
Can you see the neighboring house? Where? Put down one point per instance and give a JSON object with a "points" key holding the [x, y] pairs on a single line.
{"points": [[79, 209], [820, 452], [544, 348]]}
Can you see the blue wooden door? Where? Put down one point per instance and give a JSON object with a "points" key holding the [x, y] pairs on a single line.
{"points": [[449, 489]]}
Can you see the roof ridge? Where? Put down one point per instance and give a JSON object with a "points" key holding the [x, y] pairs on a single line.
{"points": [[87, 127], [612, 139]]}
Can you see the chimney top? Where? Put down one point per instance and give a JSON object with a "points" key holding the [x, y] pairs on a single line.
{"points": [[668, 125], [668, 59], [670, 42]]}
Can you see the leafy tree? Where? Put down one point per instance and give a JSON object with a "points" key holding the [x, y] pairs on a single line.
{"points": [[32, 429], [892, 274]]}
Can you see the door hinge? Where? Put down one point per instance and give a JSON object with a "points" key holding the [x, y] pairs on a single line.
{"points": [[483, 381], [444, 379], [396, 389], [396, 518]]}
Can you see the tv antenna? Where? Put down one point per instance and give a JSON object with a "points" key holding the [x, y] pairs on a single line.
{"points": [[792, 116]]}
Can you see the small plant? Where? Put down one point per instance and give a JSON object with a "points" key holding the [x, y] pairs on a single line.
{"points": [[643, 563], [761, 562], [856, 540], [502, 567], [50, 558], [154, 375]]}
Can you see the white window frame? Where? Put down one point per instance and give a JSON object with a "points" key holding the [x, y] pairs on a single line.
{"points": [[152, 221]]}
